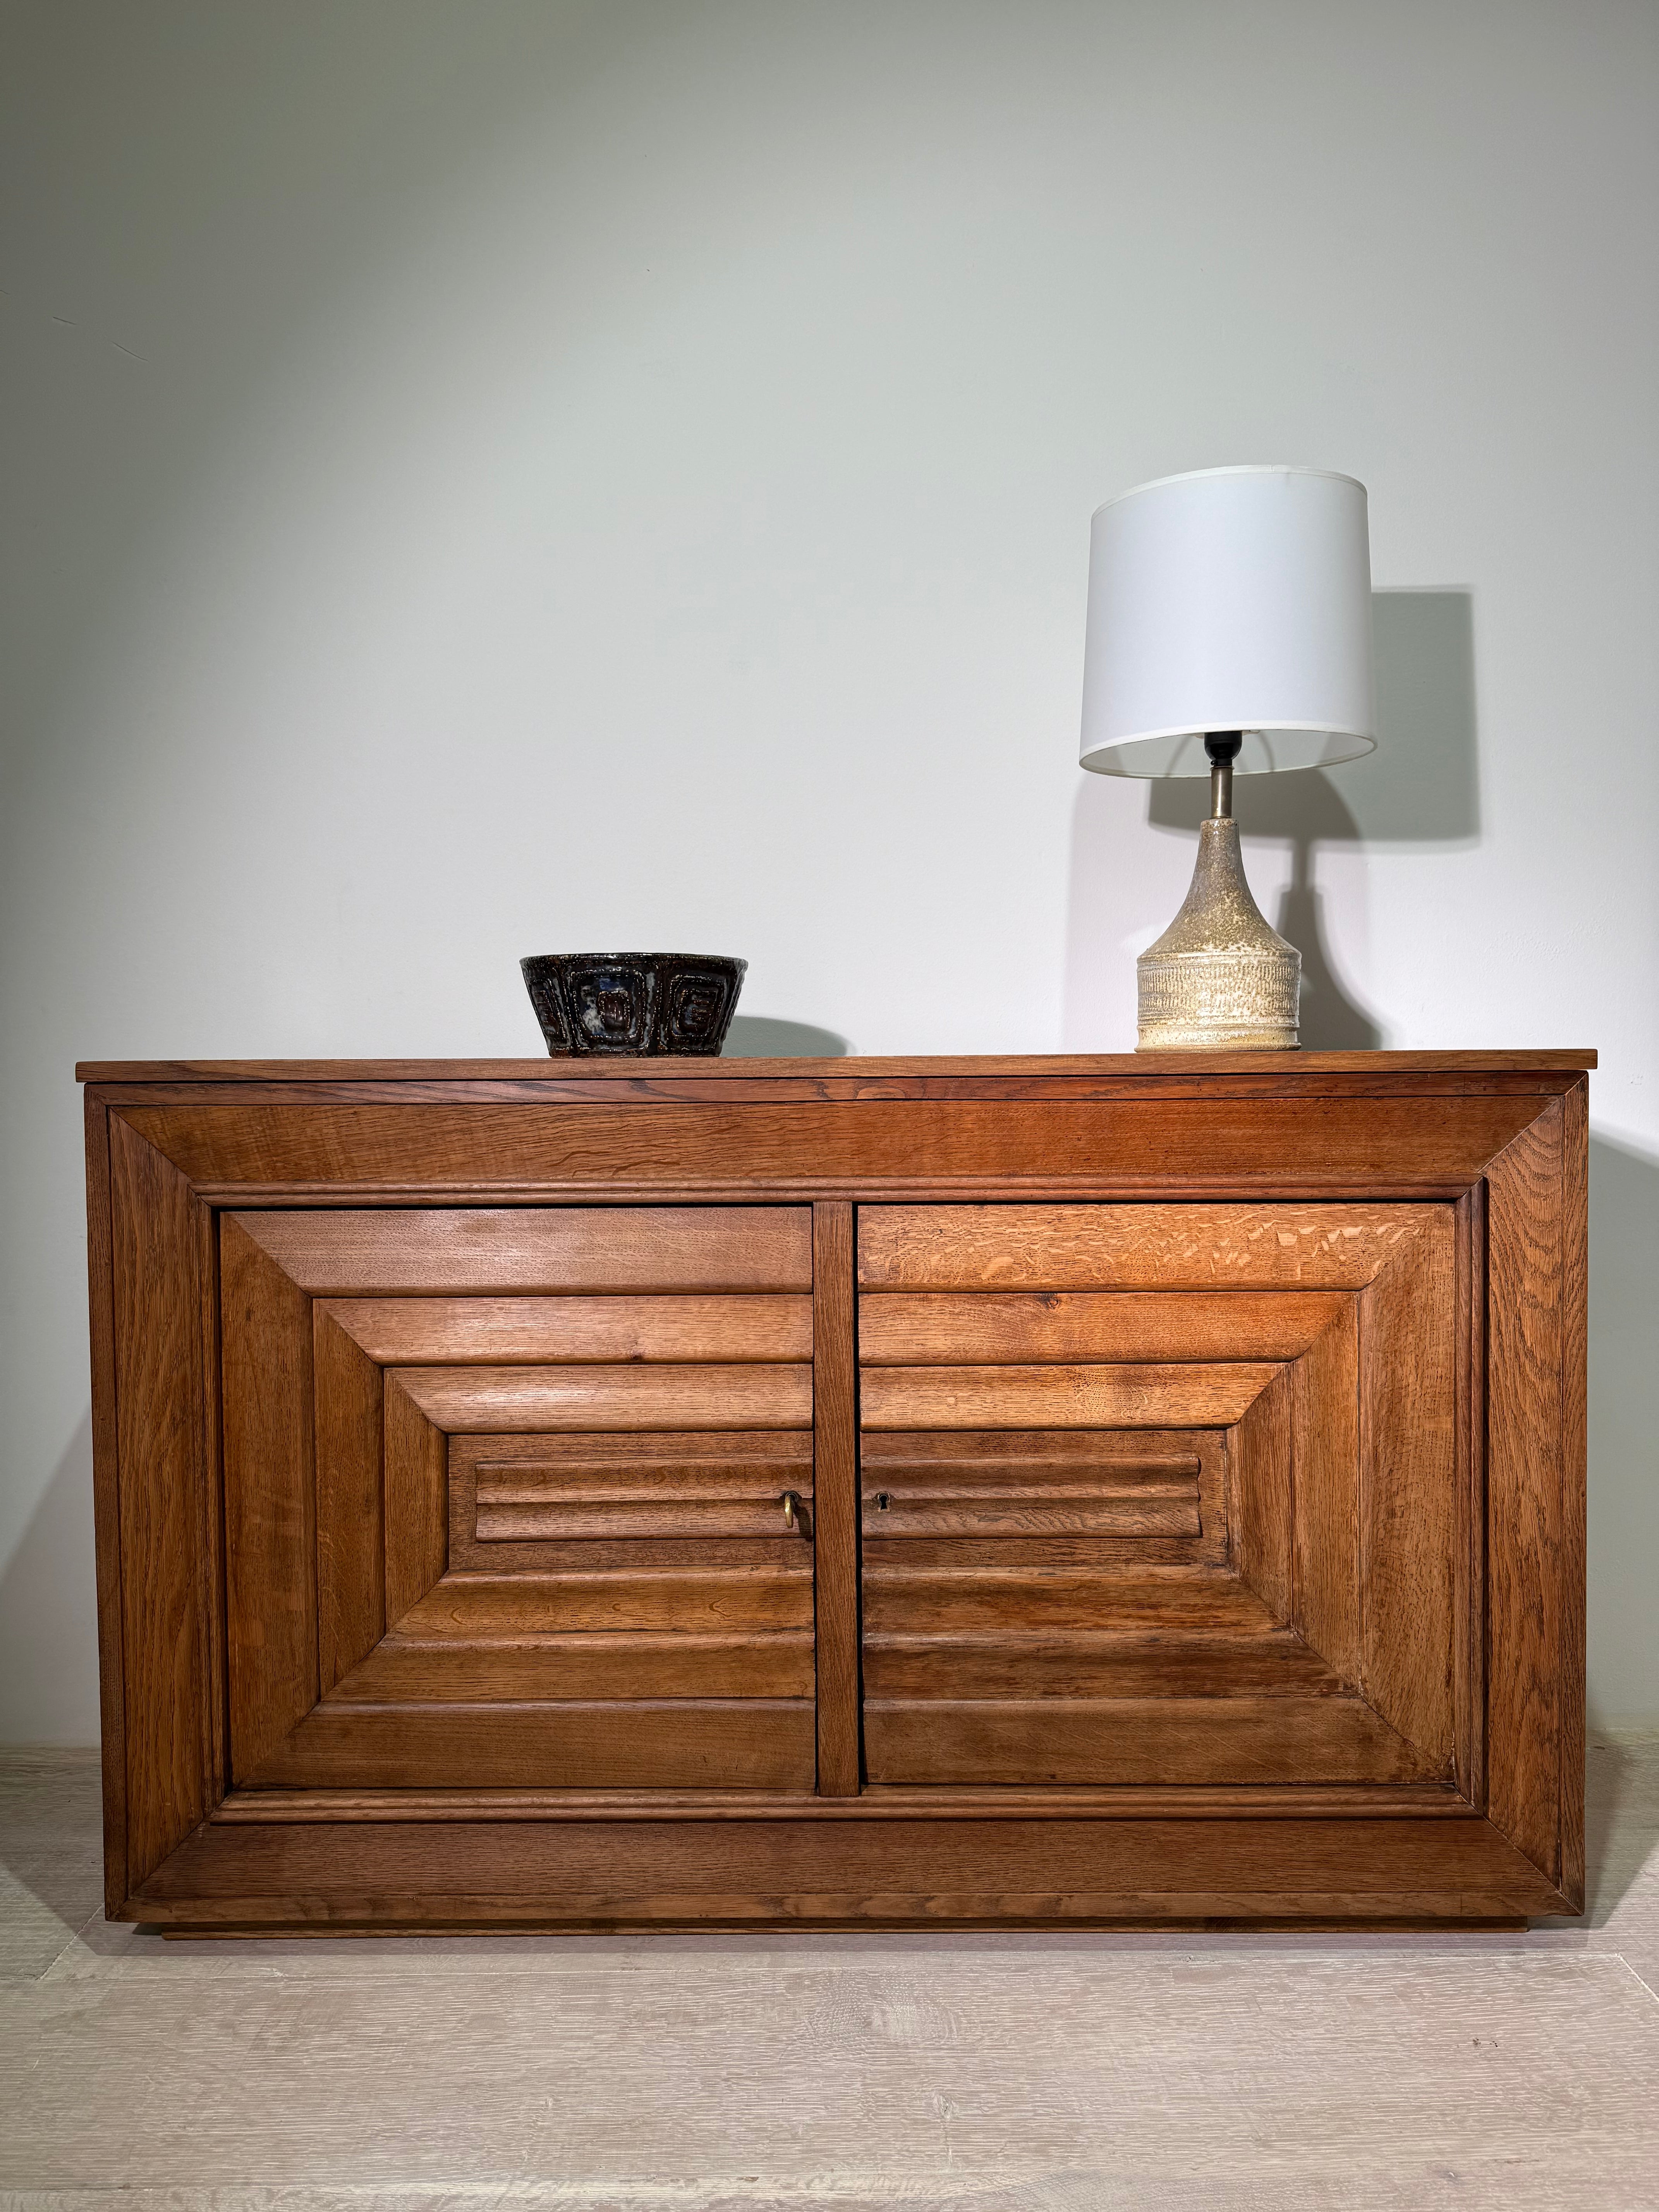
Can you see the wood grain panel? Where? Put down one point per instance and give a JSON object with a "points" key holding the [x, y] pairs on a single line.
{"points": [[1112, 1741], [1096, 1460], [676, 1743], [448, 1250], [106, 1500], [788, 1089], [1140, 1396], [1034, 1509], [753, 1465], [1410, 1522], [516, 1506], [416, 1500], [786, 1551], [612, 1912], [596, 1665], [1094, 1664], [1408, 1800], [1325, 1494], [845, 1868], [1128, 1459], [642, 1455], [164, 1479], [946, 1599], [491, 1332], [271, 1522], [854, 1078], [1259, 1461], [351, 1509], [1055, 1462], [1102, 1555], [1039, 1247], [836, 1441], [469, 1606], [947, 1328], [1362, 1144], [462, 1400], [1525, 1354], [210, 1519], [1469, 1565]]}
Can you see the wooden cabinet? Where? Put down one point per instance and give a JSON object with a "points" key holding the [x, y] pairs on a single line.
{"points": [[850, 1492]]}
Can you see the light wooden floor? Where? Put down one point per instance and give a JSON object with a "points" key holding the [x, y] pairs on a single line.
{"points": [[1007, 2073]]}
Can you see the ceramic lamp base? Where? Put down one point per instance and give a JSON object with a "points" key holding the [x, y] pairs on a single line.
{"points": [[1219, 979]]}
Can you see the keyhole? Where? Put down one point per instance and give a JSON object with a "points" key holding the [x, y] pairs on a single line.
{"points": [[881, 1501]]}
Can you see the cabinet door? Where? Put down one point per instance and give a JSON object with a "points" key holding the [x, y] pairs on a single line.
{"points": [[519, 1498], [1161, 1494]]}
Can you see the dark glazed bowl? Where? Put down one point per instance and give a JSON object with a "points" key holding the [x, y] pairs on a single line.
{"points": [[645, 1003]]}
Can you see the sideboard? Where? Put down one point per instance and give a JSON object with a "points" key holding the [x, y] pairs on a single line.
{"points": [[978, 1492]]}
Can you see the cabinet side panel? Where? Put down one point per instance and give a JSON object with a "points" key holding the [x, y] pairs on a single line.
{"points": [[106, 1501], [270, 1522], [163, 1477], [1575, 1280], [1531, 1610]]}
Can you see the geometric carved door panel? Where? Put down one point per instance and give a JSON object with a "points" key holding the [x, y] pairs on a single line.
{"points": [[519, 1498], [1164, 1494]]}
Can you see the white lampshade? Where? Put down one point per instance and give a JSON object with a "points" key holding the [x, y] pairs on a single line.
{"points": [[1229, 599]]}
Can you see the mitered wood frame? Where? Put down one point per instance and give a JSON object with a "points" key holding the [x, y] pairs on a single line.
{"points": [[406, 1537], [1331, 1360], [1500, 1137]]}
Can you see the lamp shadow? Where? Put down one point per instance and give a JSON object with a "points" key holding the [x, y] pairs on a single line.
{"points": [[1419, 792]]}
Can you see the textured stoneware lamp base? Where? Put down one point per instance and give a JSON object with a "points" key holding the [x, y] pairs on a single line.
{"points": [[1220, 979]]}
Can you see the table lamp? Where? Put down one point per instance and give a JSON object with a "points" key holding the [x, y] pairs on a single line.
{"points": [[1229, 630]]}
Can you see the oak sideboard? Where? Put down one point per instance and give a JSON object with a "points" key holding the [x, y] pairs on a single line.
{"points": [[983, 1492]]}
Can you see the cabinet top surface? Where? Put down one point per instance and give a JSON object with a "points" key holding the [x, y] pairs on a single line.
{"points": [[601, 1067]]}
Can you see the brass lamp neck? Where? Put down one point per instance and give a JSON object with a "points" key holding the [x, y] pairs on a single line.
{"points": [[1222, 746]]}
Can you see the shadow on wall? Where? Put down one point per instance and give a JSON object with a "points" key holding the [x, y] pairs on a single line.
{"points": [[1624, 1443], [1417, 793], [757, 1036], [48, 1602]]}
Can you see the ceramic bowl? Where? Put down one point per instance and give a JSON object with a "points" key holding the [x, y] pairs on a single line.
{"points": [[640, 1003]]}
